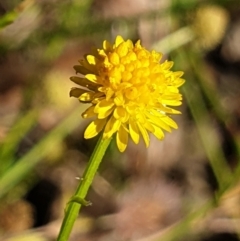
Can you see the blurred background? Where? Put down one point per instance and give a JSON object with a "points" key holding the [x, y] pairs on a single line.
{"points": [[185, 187]]}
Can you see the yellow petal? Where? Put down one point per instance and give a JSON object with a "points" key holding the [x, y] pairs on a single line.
{"points": [[170, 122], [89, 112], [148, 126], [167, 65], [129, 44], [138, 44], [94, 128], [111, 127], [107, 46], [91, 59], [126, 76], [109, 93], [144, 134], [178, 74], [84, 82], [87, 96], [169, 110], [119, 100], [91, 77], [102, 53], [105, 114], [118, 40], [160, 123], [119, 112], [103, 106], [122, 49], [114, 58], [86, 65], [77, 80], [132, 56], [131, 93], [179, 82], [76, 92], [82, 70], [122, 139], [158, 132], [171, 102], [134, 131], [157, 56]]}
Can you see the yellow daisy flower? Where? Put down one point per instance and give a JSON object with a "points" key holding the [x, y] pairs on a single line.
{"points": [[129, 90]]}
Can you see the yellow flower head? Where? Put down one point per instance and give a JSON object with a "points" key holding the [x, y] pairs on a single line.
{"points": [[129, 90]]}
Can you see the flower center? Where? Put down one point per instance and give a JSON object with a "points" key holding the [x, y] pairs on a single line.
{"points": [[132, 71]]}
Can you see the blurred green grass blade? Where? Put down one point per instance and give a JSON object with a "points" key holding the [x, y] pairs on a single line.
{"points": [[212, 146], [208, 88], [205, 129], [8, 18], [237, 169], [212, 95], [169, 43], [24, 165], [221, 114], [11, 16], [17, 132]]}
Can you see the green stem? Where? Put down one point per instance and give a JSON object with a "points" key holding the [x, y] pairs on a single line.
{"points": [[174, 40], [211, 145], [73, 208]]}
